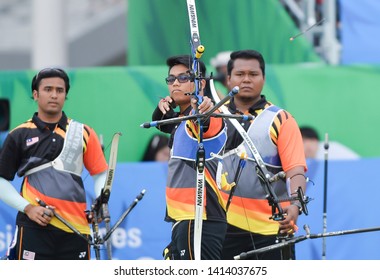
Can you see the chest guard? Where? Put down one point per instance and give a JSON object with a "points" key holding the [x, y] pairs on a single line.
{"points": [[185, 146], [259, 132], [71, 157]]}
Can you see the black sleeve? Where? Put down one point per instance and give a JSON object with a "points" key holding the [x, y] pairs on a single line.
{"points": [[9, 159], [157, 116]]}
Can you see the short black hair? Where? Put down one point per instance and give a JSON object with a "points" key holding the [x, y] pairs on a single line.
{"points": [[309, 133], [245, 54], [50, 73], [156, 143], [187, 61]]}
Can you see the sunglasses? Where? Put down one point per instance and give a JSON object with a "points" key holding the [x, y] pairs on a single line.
{"points": [[183, 78]]}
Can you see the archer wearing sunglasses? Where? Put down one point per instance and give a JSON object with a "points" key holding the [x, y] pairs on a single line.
{"points": [[182, 78], [181, 181]]}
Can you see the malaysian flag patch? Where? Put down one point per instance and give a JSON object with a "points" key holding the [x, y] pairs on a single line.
{"points": [[31, 141], [27, 255]]}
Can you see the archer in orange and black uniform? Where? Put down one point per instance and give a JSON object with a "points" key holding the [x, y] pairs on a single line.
{"points": [[278, 140], [49, 151], [181, 180]]}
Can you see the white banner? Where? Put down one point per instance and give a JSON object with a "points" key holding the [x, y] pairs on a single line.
{"points": [[181, 270]]}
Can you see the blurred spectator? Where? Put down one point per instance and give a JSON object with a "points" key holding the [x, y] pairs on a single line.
{"points": [[319, 9], [314, 147], [310, 139], [157, 149], [219, 62]]}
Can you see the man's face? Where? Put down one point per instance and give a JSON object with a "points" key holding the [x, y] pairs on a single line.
{"points": [[50, 96], [178, 90], [311, 147], [247, 75]]}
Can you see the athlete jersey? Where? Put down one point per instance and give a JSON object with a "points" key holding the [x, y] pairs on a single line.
{"points": [[277, 139], [181, 182], [51, 172]]}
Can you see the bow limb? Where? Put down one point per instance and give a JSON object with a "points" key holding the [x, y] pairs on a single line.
{"points": [[197, 51], [101, 203], [106, 191]]}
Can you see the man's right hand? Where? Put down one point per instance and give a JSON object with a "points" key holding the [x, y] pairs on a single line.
{"points": [[166, 104], [40, 215]]}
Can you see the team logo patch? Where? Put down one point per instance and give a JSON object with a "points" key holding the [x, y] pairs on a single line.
{"points": [[28, 255], [31, 141]]}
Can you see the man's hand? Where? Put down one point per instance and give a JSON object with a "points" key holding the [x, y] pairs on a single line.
{"points": [[204, 107], [40, 215], [166, 104], [288, 226]]}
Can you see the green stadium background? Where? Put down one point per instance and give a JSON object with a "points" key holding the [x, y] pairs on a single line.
{"points": [[340, 101]]}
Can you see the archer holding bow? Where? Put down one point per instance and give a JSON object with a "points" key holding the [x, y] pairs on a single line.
{"points": [[276, 147], [50, 151], [186, 157]]}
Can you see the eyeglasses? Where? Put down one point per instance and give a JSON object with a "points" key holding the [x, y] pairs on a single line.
{"points": [[183, 78]]}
